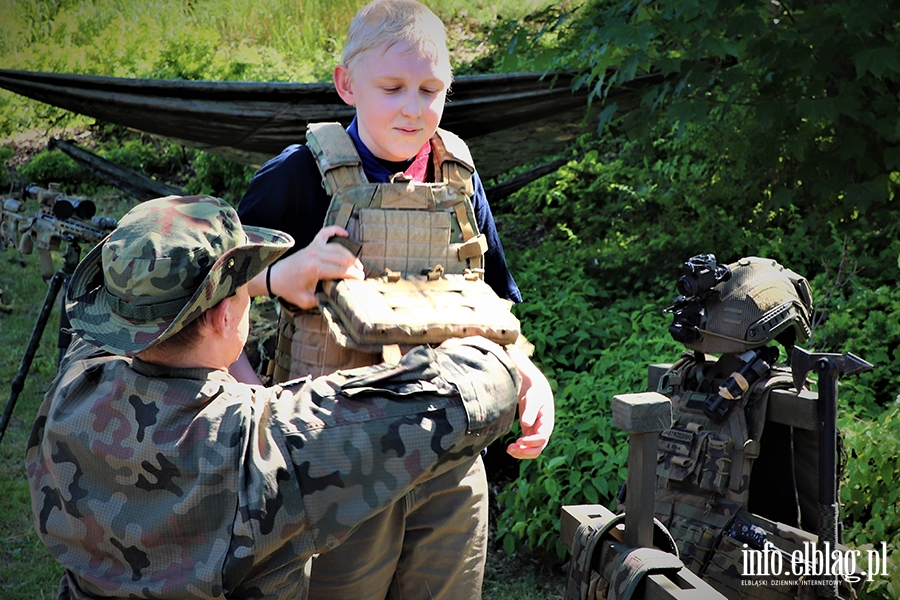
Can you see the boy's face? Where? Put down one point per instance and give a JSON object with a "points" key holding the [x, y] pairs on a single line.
{"points": [[399, 98]]}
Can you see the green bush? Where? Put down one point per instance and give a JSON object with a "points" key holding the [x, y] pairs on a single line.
{"points": [[219, 177], [639, 207], [150, 156], [870, 494], [824, 140], [155, 158], [592, 349], [52, 166], [189, 55], [866, 322]]}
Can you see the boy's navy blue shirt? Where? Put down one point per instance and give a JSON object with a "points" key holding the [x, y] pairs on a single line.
{"points": [[287, 194]]}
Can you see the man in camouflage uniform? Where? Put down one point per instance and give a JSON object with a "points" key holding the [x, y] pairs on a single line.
{"points": [[155, 474]]}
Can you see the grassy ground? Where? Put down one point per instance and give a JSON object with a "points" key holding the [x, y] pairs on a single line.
{"points": [[27, 570]]}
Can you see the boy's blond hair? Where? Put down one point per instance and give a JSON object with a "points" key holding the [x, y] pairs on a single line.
{"points": [[382, 24]]}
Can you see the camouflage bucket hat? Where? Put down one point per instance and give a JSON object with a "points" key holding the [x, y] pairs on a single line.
{"points": [[167, 262]]}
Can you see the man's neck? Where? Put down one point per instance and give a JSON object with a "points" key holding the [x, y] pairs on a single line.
{"points": [[192, 358]]}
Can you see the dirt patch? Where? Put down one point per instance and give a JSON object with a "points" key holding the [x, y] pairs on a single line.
{"points": [[28, 143], [537, 578]]}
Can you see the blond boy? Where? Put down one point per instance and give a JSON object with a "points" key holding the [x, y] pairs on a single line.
{"points": [[396, 72]]}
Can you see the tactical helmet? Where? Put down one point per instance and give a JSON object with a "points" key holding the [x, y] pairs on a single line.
{"points": [[757, 303]]}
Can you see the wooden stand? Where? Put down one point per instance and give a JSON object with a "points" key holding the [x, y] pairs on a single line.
{"points": [[643, 416]]}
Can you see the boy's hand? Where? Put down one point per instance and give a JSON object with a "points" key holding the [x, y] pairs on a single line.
{"points": [[295, 277], [536, 409]]}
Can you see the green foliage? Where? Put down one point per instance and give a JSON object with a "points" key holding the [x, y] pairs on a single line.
{"points": [[870, 495], [189, 55], [591, 349], [527, 43], [52, 166], [160, 159], [638, 208], [866, 322], [196, 172], [149, 156], [219, 177], [799, 98]]}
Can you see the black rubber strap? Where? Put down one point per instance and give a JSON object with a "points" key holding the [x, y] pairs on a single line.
{"points": [[269, 282]]}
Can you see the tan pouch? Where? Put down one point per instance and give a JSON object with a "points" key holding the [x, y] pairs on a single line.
{"points": [[418, 309]]}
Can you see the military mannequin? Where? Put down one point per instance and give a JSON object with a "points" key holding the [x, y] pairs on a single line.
{"points": [[730, 479]]}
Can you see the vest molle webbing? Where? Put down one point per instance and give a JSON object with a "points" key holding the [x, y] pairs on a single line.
{"points": [[703, 468], [703, 488], [403, 226]]}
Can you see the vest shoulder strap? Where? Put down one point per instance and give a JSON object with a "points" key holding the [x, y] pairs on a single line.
{"points": [[454, 161], [454, 148], [341, 167], [336, 156]]}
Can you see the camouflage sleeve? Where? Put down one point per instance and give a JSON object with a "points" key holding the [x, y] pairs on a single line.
{"points": [[360, 439]]}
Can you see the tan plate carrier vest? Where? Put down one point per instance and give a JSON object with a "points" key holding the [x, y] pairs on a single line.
{"points": [[703, 479], [423, 255]]}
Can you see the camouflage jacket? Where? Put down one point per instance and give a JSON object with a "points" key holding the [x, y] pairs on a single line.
{"points": [[152, 482]]}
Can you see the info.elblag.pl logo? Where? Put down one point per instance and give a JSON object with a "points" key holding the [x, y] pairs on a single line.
{"points": [[811, 561]]}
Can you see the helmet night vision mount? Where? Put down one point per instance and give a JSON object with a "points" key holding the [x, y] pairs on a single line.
{"points": [[741, 306]]}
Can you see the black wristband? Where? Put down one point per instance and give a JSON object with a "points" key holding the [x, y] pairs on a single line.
{"points": [[269, 282]]}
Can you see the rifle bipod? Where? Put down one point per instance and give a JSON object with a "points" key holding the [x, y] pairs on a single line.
{"points": [[59, 281]]}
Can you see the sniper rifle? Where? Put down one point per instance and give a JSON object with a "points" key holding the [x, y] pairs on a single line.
{"points": [[58, 219]]}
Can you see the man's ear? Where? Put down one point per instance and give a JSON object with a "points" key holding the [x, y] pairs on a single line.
{"points": [[342, 84], [218, 317]]}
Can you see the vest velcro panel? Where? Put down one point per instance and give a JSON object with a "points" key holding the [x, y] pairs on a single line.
{"points": [[407, 241]]}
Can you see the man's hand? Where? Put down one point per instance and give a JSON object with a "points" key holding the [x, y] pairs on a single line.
{"points": [[295, 277], [536, 408]]}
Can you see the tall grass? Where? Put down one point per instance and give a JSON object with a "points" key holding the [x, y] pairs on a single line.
{"points": [[27, 569], [232, 40], [312, 31]]}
